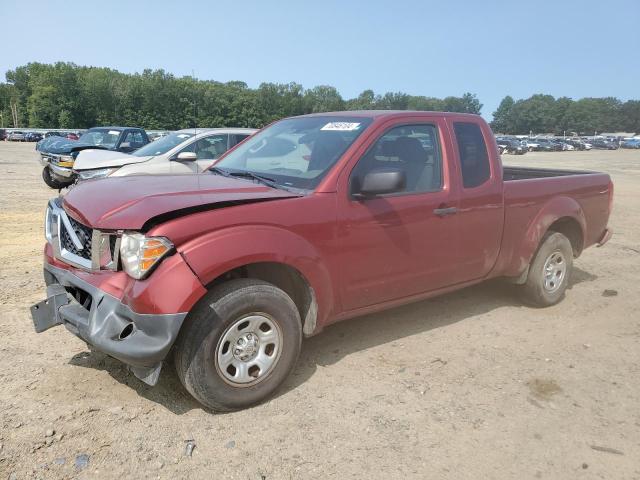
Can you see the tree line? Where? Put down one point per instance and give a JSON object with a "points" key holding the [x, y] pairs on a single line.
{"points": [[65, 95], [563, 115]]}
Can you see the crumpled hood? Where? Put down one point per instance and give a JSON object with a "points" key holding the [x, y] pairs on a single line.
{"points": [[90, 159], [122, 203], [64, 146]]}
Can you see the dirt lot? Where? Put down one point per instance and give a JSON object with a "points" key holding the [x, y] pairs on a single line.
{"points": [[470, 385]]}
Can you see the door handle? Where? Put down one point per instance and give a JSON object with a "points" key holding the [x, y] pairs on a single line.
{"points": [[443, 212]]}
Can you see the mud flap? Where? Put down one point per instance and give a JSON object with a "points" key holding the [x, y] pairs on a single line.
{"points": [[45, 314]]}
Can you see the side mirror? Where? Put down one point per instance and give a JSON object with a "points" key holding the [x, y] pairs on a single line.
{"points": [[125, 146], [186, 157], [380, 182]]}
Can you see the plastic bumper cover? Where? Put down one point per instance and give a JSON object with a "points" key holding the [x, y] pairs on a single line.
{"points": [[142, 341]]}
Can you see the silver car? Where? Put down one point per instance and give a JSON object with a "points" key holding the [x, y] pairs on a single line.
{"points": [[185, 151], [16, 136]]}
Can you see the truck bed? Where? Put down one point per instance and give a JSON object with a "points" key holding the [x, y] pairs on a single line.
{"points": [[531, 194], [528, 173]]}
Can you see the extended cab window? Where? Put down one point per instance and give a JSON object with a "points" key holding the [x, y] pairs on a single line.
{"points": [[413, 149], [474, 159]]}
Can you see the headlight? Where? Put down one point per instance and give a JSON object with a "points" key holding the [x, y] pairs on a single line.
{"points": [[95, 173], [47, 224], [140, 254], [66, 161]]}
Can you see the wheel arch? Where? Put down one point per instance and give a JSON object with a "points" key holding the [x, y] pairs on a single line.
{"points": [[286, 278], [561, 214], [271, 254]]}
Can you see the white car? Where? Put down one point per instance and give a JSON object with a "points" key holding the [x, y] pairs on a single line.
{"points": [[185, 151]]}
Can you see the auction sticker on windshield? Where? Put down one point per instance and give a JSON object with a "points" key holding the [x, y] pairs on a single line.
{"points": [[341, 126]]}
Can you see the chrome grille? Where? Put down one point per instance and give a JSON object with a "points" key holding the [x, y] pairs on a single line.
{"points": [[83, 233], [79, 245]]}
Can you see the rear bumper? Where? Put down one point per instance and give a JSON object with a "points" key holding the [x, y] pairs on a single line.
{"points": [[606, 236], [142, 341]]}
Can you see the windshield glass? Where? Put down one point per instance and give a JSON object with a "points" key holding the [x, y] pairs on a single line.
{"points": [[104, 138], [296, 152], [163, 145]]}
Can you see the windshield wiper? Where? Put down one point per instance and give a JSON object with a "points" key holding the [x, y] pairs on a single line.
{"points": [[269, 182], [219, 171]]}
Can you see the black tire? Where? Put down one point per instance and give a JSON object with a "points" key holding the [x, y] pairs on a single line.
{"points": [[195, 351], [52, 182], [538, 291]]}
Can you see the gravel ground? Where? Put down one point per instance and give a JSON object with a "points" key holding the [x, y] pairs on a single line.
{"points": [[468, 385]]}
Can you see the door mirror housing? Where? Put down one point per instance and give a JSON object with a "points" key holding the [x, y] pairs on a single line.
{"points": [[381, 182], [186, 157]]}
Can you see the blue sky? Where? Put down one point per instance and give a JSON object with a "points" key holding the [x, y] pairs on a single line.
{"points": [[490, 48]]}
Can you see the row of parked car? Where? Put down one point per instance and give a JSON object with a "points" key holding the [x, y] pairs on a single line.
{"points": [[117, 151], [520, 146], [19, 136]]}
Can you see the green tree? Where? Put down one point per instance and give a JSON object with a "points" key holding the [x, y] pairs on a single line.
{"points": [[502, 117]]}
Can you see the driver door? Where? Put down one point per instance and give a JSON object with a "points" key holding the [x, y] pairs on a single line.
{"points": [[400, 244]]}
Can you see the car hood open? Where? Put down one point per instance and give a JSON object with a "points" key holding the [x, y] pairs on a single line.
{"points": [[133, 202], [92, 159]]}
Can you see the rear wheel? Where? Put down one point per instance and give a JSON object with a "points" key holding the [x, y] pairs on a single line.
{"points": [[238, 344], [51, 181], [549, 271]]}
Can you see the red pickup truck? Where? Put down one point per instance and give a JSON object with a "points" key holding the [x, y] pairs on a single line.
{"points": [[313, 220]]}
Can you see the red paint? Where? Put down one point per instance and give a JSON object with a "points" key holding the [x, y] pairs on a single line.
{"points": [[359, 256], [173, 289]]}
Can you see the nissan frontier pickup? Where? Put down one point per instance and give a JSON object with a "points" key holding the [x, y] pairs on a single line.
{"points": [[312, 220]]}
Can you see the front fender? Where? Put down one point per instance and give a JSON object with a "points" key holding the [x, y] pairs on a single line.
{"points": [[218, 252], [553, 210]]}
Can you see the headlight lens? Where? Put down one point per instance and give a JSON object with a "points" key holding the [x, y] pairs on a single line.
{"points": [[95, 173], [47, 225], [140, 254], [66, 161]]}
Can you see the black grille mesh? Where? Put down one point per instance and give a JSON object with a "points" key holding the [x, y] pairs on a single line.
{"points": [[83, 233]]}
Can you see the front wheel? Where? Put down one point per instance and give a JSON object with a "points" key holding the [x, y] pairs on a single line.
{"points": [[51, 181], [549, 271], [238, 344]]}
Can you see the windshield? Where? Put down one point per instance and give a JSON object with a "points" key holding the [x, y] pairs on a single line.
{"points": [[163, 145], [296, 152], [103, 138]]}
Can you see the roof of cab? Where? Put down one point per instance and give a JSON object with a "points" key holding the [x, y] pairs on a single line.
{"points": [[389, 113]]}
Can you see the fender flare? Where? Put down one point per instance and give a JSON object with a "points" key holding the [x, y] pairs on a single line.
{"points": [[220, 251], [555, 209]]}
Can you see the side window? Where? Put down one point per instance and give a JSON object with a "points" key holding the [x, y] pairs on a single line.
{"points": [[237, 138], [210, 148], [474, 159], [134, 139], [415, 149]]}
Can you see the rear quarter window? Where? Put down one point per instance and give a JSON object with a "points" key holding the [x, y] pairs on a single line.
{"points": [[474, 158]]}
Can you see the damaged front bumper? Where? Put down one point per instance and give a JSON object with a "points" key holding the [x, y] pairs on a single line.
{"points": [[141, 341]]}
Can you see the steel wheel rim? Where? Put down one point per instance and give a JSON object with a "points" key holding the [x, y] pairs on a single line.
{"points": [[248, 350], [554, 270]]}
